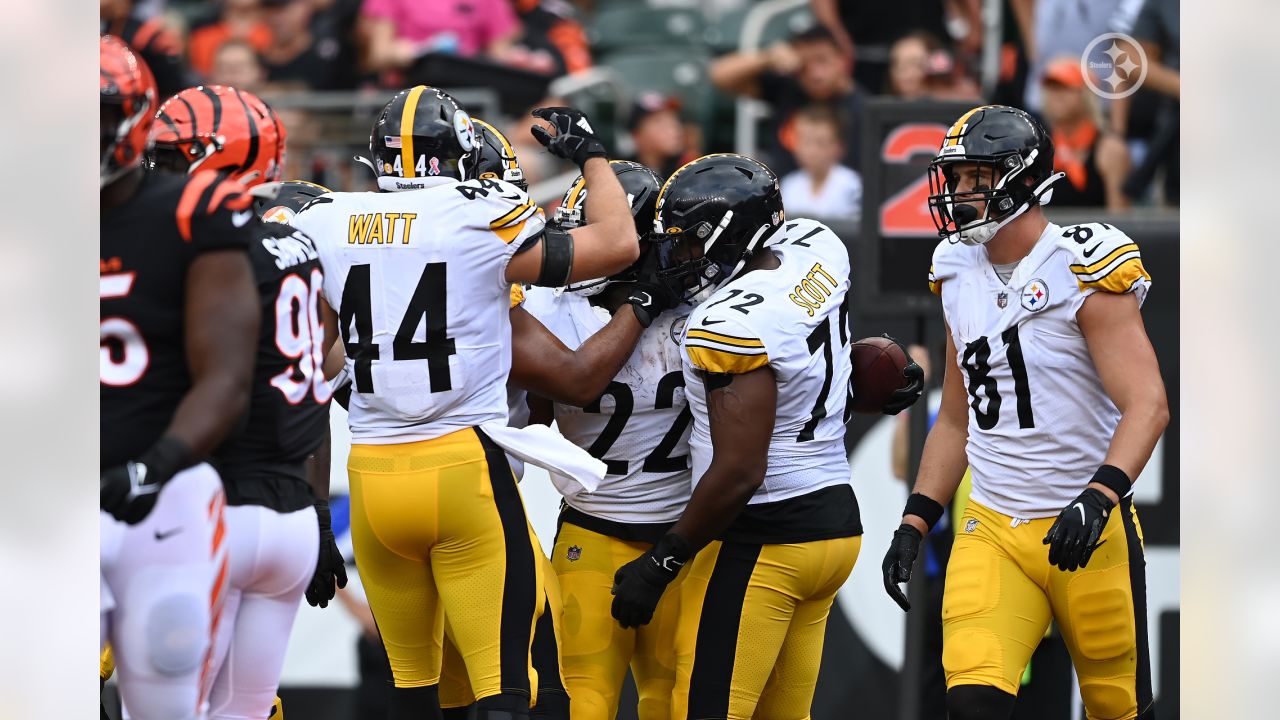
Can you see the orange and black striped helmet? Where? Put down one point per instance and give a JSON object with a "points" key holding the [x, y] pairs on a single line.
{"points": [[216, 127], [128, 98]]}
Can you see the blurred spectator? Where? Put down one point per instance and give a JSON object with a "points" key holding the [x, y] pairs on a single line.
{"points": [[236, 64], [1156, 29], [1059, 28], [296, 56], [865, 30], [238, 20], [658, 133], [807, 69], [822, 187], [397, 32], [550, 26], [1095, 160], [157, 45], [921, 68]]}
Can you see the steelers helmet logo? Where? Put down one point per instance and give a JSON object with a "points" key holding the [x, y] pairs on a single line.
{"points": [[464, 129]]}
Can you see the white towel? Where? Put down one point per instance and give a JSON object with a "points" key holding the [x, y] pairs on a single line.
{"points": [[572, 470]]}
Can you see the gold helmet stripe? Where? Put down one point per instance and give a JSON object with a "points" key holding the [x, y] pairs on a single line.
{"points": [[406, 129], [957, 128]]}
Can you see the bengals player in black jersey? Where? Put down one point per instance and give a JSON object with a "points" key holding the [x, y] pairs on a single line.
{"points": [[275, 523], [178, 325]]}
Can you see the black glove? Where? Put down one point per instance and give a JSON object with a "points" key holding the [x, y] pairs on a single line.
{"points": [[330, 567], [905, 397], [574, 139], [650, 293], [1074, 535], [899, 561], [129, 491], [638, 585]]}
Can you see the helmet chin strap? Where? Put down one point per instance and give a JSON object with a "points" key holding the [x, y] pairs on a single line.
{"points": [[982, 233]]}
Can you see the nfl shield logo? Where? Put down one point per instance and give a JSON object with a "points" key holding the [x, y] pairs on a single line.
{"points": [[970, 525], [1002, 299], [574, 553]]}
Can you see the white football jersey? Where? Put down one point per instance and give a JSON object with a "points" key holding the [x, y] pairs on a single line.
{"points": [[1040, 422], [795, 319], [418, 280], [640, 426]]}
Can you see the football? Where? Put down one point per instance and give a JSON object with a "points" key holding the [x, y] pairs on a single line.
{"points": [[878, 363]]}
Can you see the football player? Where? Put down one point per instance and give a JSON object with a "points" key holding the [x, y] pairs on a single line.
{"points": [[1056, 394], [275, 519], [420, 276], [772, 519], [178, 332], [639, 425]]}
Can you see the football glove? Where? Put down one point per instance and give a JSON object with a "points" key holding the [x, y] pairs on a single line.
{"points": [[331, 568], [899, 561], [638, 585], [650, 294], [905, 397], [129, 491], [574, 139], [1074, 535]]}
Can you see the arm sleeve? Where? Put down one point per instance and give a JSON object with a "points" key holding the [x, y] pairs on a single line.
{"points": [[724, 345]]}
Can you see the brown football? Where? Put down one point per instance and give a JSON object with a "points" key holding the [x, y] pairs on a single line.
{"points": [[877, 372]]}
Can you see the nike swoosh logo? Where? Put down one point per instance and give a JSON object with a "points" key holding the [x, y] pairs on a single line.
{"points": [[1089, 253], [1080, 507], [709, 321], [241, 218], [167, 535]]}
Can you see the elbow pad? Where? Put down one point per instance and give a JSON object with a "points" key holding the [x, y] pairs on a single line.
{"points": [[557, 258]]}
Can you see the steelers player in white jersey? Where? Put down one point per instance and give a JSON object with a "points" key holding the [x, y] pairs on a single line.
{"points": [[420, 278], [1055, 401], [639, 425], [772, 518]]}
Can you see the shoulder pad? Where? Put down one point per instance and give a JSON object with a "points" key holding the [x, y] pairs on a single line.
{"points": [[948, 259], [718, 343], [206, 193], [1104, 258]]}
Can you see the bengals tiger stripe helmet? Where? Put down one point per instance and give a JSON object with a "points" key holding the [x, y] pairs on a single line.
{"points": [[128, 98], [216, 127]]}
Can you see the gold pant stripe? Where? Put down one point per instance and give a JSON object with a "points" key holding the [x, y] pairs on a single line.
{"points": [[1001, 593], [596, 650], [439, 529], [752, 623]]}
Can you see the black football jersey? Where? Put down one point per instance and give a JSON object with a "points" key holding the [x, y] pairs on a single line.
{"points": [[146, 246], [289, 404]]}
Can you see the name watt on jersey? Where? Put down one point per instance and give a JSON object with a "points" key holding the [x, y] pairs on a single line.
{"points": [[379, 228]]}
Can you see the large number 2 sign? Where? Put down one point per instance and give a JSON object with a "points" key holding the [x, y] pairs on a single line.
{"points": [[906, 212]]}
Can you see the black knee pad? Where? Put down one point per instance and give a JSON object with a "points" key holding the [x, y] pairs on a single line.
{"points": [[503, 706], [979, 702], [552, 705], [415, 703]]}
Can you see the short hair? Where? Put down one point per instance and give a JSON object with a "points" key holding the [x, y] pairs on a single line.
{"points": [[815, 34], [820, 114]]}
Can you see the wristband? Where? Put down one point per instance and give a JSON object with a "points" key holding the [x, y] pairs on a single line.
{"points": [[1112, 477], [925, 508]]}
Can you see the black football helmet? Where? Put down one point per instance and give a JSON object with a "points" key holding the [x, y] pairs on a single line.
{"points": [[422, 132], [280, 201], [641, 186], [1014, 155], [495, 157], [712, 214]]}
